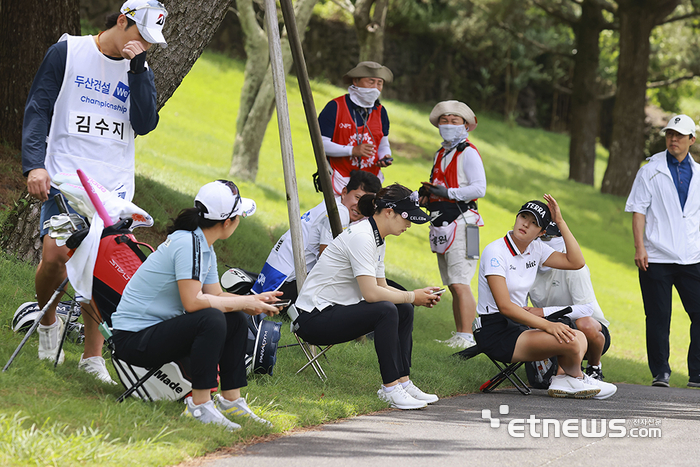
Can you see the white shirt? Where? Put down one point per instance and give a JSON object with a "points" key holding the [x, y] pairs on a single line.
{"points": [[671, 234], [315, 231], [358, 251], [557, 288], [470, 174], [502, 258]]}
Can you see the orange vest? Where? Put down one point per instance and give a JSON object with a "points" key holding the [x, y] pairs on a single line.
{"points": [[346, 132], [449, 177]]}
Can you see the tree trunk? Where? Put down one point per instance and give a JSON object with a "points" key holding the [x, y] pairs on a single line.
{"points": [[258, 94], [20, 235], [188, 29], [370, 29], [637, 19], [27, 29], [583, 118]]}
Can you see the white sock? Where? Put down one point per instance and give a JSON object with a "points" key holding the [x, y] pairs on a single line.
{"points": [[405, 385], [388, 388], [49, 340], [465, 335]]}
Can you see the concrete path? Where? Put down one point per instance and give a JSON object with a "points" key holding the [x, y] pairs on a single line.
{"points": [[640, 425]]}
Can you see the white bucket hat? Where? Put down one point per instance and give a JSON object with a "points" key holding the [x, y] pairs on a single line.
{"points": [[453, 108]]}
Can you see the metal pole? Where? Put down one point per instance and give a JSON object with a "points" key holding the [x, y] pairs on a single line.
{"points": [[310, 110], [290, 181]]}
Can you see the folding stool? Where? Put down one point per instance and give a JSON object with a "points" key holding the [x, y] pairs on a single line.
{"points": [[309, 349], [506, 370]]}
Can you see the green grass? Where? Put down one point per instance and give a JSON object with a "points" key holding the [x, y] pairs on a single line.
{"points": [[191, 146]]}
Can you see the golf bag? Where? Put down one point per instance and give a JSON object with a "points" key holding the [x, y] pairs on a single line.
{"points": [[263, 335], [118, 258], [539, 373]]}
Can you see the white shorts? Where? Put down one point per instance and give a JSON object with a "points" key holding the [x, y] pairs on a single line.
{"points": [[454, 266]]}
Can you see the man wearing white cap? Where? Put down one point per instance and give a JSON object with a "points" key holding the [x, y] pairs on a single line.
{"points": [[355, 126], [91, 96], [665, 203], [457, 180]]}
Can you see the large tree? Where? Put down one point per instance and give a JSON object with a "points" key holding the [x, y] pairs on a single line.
{"points": [[637, 19], [370, 24], [24, 38], [257, 93], [188, 29]]}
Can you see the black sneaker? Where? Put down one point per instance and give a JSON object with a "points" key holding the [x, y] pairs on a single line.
{"points": [[661, 380], [694, 382], [595, 372]]}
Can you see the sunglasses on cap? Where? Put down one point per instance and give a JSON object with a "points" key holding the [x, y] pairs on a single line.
{"points": [[154, 4], [234, 190], [413, 198]]}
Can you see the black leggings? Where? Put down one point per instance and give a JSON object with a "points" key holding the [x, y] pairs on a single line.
{"points": [[209, 337], [392, 325]]}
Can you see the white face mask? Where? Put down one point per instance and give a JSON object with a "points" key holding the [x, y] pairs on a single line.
{"points": [[452, 134], [363, 97]]}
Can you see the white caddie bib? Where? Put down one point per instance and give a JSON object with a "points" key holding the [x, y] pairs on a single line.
{"points": [[90, 128]]}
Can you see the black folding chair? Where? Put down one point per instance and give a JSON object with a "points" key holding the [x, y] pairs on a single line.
{"points": [[506, 370], [309, 349]]}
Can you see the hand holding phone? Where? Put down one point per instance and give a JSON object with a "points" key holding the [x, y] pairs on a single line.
{"points": [[439, 292], [282, 303]]}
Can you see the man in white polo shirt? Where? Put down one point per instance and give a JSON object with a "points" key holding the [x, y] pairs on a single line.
{"points": [[278, 271], [665, 203]]}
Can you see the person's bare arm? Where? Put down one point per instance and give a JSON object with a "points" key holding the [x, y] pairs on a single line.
{"points": [[196, 297], [499, 290], [373, 292]]}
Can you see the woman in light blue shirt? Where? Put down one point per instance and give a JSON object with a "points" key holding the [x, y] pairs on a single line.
{"points": [[174, 307]]}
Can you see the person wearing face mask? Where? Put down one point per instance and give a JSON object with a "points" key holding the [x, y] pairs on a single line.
{"points": [[355, 126], [457, 180], [90, 98]]}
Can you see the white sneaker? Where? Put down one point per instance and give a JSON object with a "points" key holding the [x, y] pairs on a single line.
{"points": [[459, 342], [96, 366], [606, 389], [568, 386], [49, 338], [238, 408], [208, 413], [398, 398], [416, 393]]}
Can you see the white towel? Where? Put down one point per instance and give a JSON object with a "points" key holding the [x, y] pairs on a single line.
{"points": [[81, 265]]}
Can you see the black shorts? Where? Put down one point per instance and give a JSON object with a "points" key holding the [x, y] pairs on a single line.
{"points": [[498, 335]]}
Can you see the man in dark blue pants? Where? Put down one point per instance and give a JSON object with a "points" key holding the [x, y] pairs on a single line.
{"points": [[665, 203]]}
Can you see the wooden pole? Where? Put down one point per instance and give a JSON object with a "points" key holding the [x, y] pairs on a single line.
{"points": [[290, 181], [310, 110]]}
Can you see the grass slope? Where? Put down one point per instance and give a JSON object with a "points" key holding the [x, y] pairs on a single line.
{"points": [[65, 417]]}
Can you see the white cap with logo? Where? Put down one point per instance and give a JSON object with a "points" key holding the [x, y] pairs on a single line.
{"points": [[221, 200], [682, 124], [149, 16]]}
